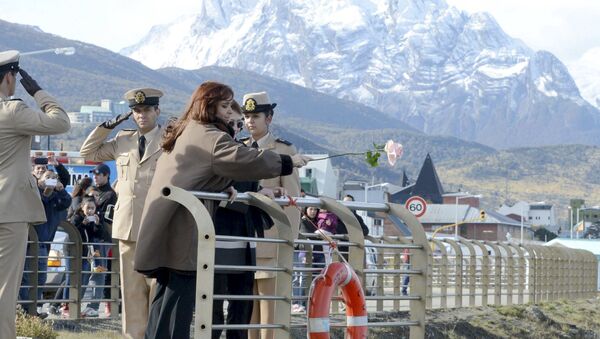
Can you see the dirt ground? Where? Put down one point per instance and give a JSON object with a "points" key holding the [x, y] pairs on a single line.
{"points": [[556, 319]]}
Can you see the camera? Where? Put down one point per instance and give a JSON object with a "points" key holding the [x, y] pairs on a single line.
{"points": [[50, 182], [91, 218]]}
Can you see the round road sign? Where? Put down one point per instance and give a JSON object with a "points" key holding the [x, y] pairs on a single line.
{"points": [[416, 205]]}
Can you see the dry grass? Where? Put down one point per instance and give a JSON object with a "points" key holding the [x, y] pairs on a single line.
{"points": [[89, 335]]}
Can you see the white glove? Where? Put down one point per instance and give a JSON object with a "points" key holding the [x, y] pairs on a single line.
{"points": [[300, 160]]}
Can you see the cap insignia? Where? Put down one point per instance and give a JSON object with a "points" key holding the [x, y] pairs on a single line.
{"points": [[139, 97], [250, 105]]}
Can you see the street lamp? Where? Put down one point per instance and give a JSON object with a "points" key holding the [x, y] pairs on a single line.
{"points": [[61, 50], [457, 198], [57, 51], [571, 213]]}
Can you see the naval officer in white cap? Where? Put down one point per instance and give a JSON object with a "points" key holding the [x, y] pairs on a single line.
{"points": [[20, 202]]}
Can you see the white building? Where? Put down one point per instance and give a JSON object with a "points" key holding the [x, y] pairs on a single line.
{"points": [[537, 214], [378, 193], [98, 114], [319, 177]]}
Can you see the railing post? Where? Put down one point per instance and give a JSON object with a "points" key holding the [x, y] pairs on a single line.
{"points": [[471, 272], [205, 268], [420, 284], [485, 281], [285, 258], [521, 275], [33, 251], [497, 272], [74, 251], [458, 281], [509, 269], [443, 274]]}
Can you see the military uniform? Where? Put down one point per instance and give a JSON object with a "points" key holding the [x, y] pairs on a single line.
{"points": [[20, 202], [266, 254], [134, 178]]}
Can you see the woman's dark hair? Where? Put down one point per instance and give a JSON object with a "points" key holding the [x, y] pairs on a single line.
{"points": [[81, 186], [236, 107], [201, 108], [305, 211]]}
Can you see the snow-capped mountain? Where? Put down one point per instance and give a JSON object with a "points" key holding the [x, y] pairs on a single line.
{"points": [[440, 69], [586, 71]]}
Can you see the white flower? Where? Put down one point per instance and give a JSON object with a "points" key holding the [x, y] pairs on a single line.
{"points": [[394, 151]]}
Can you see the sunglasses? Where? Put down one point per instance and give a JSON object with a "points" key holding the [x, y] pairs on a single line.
{"points": [[239, 124]]}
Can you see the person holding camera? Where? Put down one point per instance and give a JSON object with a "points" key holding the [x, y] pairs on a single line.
{"points": [[135, 152], [93, 262], [55, 201], [19, 196]]}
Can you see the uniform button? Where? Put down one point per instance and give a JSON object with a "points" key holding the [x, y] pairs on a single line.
{"points": [[134, 197], [135, 181]]}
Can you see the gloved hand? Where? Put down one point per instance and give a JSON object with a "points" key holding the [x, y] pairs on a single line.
{"points": [[30, 85], [114, 122], [300, 160]]}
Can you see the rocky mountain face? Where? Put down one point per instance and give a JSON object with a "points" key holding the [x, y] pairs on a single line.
{"points": [[435, 67]]}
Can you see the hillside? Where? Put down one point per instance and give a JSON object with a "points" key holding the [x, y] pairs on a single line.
{"points": [[552, 174]]}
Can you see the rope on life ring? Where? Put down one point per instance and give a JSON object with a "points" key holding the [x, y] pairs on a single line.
{"points": [[323, 287]]}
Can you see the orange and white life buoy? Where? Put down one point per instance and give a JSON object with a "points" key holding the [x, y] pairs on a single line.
{"points": [[321, 292]]}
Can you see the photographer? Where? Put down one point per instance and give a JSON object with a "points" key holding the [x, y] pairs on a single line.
{"points": [[55, 200]]}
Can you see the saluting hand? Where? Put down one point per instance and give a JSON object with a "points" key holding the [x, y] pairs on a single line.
{"points": [[300, 160], [30, 85], [114, 122]]}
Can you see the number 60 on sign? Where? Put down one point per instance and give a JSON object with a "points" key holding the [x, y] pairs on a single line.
{"points": [[416, 205]]}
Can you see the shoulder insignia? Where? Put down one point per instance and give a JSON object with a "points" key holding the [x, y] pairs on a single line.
{"points": [[283, 141], [15, 99], [127, 132]]}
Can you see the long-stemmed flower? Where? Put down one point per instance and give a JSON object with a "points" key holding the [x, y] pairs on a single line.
{"points": [[393, 150]]}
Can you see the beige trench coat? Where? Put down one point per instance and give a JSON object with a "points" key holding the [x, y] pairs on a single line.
{"points": [[134, 174], [19, 196], [204, 159]]}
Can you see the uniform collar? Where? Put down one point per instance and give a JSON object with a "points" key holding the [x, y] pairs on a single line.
{"points": [[265, 141], [150, 135]]}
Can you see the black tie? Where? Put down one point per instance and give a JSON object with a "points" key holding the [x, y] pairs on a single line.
{"points": [[255, 144], [142, 146]]}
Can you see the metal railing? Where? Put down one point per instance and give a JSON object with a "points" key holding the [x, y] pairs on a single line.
{"points": [[70, 266], [442, 273]]}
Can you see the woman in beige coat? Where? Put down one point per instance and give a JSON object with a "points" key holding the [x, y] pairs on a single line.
{"points": [[198, 154]]}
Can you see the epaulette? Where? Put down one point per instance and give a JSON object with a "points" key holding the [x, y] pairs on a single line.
{"points": [[283, 141], [127, 131], [14, 99]]}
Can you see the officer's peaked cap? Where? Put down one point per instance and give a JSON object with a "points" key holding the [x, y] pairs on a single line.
{"points": [[9, 61], [257, 102], [143, 96]]}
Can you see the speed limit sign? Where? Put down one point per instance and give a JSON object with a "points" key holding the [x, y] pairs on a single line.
{"points": [[416, 205]]}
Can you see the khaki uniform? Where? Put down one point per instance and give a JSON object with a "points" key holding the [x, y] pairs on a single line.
{"points": [[20, 202], [266, 254], [134, 179]]}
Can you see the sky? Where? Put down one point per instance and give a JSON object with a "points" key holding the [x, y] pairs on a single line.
{"points": [[567, 28]]}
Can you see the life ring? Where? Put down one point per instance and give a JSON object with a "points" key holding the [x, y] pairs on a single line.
{"points": [[321, 291]]}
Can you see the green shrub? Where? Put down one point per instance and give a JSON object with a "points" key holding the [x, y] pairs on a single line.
{"points": [[34, 327]]}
